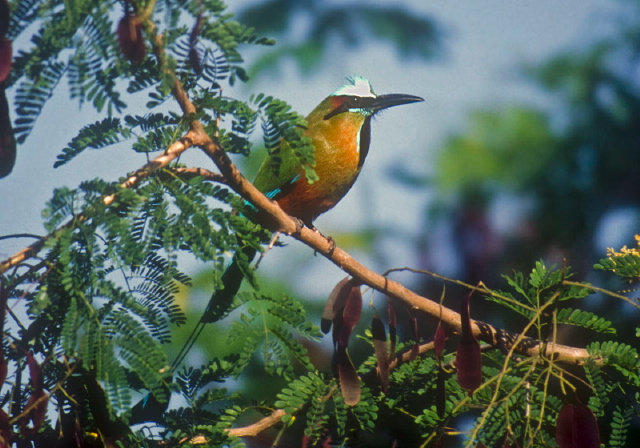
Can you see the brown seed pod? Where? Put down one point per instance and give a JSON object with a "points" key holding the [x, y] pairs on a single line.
{"points": [[130, 38]]}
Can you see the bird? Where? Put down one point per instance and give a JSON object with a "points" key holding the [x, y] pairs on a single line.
{"points": [[340, 130]]}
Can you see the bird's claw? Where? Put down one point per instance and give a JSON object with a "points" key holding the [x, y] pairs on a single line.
{"points": [[330, 240], [332, 245], [299, 226]]}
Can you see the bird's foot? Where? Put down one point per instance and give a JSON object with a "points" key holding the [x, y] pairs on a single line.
{"points": [[299, 225], [330, 240], [332, 245]]}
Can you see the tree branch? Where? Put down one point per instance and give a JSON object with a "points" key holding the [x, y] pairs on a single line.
{"points": [[190, 173], [279, 220], [245, 431], [157, 163]]}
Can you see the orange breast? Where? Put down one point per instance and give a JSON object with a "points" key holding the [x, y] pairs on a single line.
{"points": [[337, 155]]}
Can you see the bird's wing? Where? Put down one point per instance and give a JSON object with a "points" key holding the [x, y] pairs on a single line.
{"points": [[279, 171]]}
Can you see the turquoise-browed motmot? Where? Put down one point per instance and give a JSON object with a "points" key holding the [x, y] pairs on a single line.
{"points": [[340, 130]]}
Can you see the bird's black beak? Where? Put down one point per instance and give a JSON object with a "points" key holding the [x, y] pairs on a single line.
{"points": [[394, 99]]}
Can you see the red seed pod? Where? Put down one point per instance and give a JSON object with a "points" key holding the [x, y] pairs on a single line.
{"points": [[37, 402], [348, 377], [7, 139], [194, 54], [441, 392], [5, 430], [438, 341], [413, 323], [338, 296], [468, 355], [381, 351], [469, 365], [391, 311], [130, 38], [350, 315], [6, 54], [4, 295], [577, 427]]}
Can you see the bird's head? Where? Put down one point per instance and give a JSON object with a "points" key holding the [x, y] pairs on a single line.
{"points": [[358, 97]]}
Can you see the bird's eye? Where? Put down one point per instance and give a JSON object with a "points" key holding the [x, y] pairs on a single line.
{"points": [[355, 101]]}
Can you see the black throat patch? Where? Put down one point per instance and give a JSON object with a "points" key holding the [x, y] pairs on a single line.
{"points": [[365, 140]]}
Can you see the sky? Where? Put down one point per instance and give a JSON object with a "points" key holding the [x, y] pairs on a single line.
{"points": [[486, 41]]}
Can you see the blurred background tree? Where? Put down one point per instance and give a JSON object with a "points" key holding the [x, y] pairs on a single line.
{"points": [[351, 24], [568, 171]]}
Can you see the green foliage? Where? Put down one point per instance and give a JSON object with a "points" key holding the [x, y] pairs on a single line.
{"points": [[584, 319], [601, 389], [269, 324], [620, 425], [31, 97], [622, 356], [94, 66], [300, 391], [97, 135], [625, 264], [281, 123], [539, 294]]}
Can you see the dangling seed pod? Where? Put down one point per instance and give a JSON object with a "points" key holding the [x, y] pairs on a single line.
{"points": [[130, 38]]}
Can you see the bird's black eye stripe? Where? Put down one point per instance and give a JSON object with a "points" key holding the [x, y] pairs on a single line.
{"points": [[361, 102], [352, 102]]}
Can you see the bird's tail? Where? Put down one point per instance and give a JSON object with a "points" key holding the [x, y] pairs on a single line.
{"points": [[149, 408], [220, 303], [221, 300]]}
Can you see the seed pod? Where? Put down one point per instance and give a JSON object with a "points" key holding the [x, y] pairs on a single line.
{"points": [[350, 315], [441, 392], [4, 295], [382, 353], [468, 355], [5, 430], [194, 54], [348, 377], [415, 349], [6, 54], [130, 38], [438, 341], [577, 427], [7, 139], [391, 311], [338, 295], [37, 402]]}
